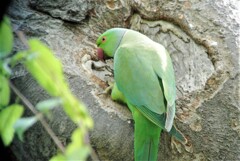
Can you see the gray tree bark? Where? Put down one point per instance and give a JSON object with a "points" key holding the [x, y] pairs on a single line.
{"points": [[202, 38]]}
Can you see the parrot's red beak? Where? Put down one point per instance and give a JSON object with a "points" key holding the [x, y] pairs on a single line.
{"points": [[101, 55]]}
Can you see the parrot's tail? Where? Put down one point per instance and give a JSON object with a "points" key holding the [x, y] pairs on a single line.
{"points": [[146, 138]]}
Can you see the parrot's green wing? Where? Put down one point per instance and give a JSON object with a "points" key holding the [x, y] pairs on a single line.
{"points": [[131, 68], [166, 73]]}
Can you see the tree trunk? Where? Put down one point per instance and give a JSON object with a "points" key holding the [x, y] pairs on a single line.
{"points": [[202, 38]]}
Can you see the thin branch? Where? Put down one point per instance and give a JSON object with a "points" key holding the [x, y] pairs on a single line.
{"points": [[41, 119], [93, 155], [22, 38]]}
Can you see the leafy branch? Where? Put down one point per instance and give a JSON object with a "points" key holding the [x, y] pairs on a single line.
{"points": [[41, 63]]}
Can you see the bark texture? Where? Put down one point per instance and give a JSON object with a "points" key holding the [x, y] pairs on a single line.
{"points": [[202, 38]]}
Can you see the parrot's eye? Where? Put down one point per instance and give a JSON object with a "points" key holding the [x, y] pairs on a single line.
{"points": [[104, 39]]}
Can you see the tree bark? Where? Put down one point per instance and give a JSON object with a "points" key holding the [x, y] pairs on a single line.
{"points": [[202, 38]]}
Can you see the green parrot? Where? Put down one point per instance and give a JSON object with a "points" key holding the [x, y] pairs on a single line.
{"points": [[144, 80]]}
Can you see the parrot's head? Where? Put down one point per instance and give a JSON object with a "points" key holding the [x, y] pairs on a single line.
{"points": [[108, 42]]}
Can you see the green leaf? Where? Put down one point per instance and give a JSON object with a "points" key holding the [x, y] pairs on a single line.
{"points": [[23, 124], [47, 105], [58, 157], [4, 91], [6, 37], [8, 117], [76, 111], [45, 68], [78, 149], [6, 69], [18, 57]]}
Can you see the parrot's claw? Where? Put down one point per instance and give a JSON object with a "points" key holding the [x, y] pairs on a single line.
{"points": [[107, 90]]}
